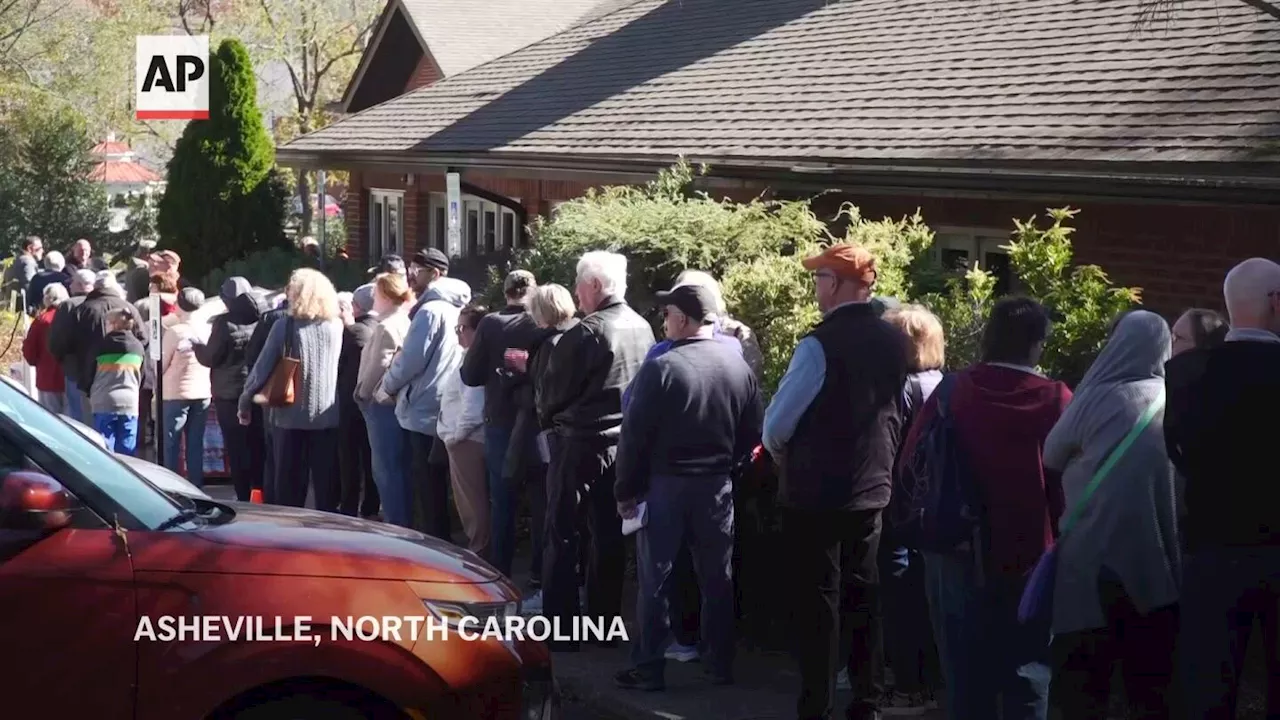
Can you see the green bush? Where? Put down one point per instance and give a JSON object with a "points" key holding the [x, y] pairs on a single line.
{"points": [[272, 268], [224, 198], [1080, 299], [774, 296], [663, 228]]}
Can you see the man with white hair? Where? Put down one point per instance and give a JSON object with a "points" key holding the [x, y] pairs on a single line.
{"points": [[1220, 426], [78, 336], [64, 344], [54, 272], [582, 390], [82, 257]]}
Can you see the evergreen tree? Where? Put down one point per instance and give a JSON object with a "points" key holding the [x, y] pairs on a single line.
{"points": [[224, 198], [45, 183]]}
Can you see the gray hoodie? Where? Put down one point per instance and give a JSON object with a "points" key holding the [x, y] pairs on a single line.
{"points": [[430, 352]]}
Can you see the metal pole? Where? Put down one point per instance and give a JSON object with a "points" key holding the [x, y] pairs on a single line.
{"points": [[156, 338], [324, 215]]}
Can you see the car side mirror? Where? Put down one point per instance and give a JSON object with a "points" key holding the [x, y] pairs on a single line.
{"points": [[34, 501]]}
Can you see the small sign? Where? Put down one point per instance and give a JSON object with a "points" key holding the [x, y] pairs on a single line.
{"points": [[153, 322], [453, 184], [172, 77]]}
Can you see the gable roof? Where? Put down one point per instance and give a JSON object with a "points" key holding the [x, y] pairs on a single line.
{"points": [[972, 83], [461, 34]]}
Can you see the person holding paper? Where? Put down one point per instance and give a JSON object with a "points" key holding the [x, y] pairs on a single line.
{"points": [[695, 413]]}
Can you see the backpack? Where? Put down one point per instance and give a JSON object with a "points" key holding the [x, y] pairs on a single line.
{"points": [[940, 509]]}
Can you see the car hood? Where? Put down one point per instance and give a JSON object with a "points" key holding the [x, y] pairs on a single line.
{"points": [[276, 540]]}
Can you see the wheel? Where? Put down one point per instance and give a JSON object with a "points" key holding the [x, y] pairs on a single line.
{"points": [[306, 707]]}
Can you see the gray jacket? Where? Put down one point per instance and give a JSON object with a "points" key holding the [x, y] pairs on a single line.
{"points": [[1128, 529], [430, 352], [318, 344]]}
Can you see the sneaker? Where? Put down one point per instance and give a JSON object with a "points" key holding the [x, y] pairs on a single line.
{"points": [[681, 653], [633, 679], [842, 680], [532, 605]]}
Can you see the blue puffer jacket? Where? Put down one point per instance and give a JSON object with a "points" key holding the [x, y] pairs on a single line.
{"points": [[430, 352]]}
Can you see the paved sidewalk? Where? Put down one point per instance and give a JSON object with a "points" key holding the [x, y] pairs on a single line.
{"points": [[765, 688]]}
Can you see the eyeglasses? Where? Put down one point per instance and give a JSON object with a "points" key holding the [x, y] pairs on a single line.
{"points": [[819, 275]]}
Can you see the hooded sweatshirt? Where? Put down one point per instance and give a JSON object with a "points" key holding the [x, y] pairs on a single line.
{"points": [[1002, 416], [225, 352], [430, 352], [117, 374]]}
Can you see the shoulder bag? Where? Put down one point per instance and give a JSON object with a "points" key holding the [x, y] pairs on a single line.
{"points": [[281, 387]]}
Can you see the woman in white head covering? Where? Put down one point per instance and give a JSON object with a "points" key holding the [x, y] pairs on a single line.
{"points": [[1116, 591]]}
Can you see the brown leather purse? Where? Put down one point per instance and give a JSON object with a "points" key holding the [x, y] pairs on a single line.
{"points": [[281, 387]]}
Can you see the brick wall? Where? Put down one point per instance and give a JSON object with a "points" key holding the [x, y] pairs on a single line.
{"points": [[425, 74], [1178, 254]]}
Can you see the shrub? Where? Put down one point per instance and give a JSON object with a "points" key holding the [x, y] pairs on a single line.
{"points": [[774, 296], [1080, 298], [224, 198], [45, 183], [663, 228]]}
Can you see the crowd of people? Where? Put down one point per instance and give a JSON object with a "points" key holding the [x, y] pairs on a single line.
{"points": [[919, 511]]}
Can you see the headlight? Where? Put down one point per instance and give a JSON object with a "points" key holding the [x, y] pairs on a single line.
{"points": [[452, 613]]}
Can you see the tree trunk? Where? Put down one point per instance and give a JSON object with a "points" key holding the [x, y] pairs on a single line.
{"points": [[304, 191]]}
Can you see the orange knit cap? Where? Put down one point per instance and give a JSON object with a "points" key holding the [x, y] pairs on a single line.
{"points": [[846, 260]]}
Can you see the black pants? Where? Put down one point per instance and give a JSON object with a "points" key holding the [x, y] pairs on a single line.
{"points": [[356, 465], [429, 484], [536, 488], [580, 495], [684, 602], [836, 607], [910, 649], [1142, 646], [245, 447], [305, 457]]}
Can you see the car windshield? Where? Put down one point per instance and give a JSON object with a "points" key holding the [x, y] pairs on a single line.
{"points": [[144, 501]]}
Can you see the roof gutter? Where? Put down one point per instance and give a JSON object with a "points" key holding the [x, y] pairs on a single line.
{"points": [[1206, 182]]}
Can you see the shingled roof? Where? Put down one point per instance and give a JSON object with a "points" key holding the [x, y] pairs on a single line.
{"points": [[461, 34], [971, 83]]}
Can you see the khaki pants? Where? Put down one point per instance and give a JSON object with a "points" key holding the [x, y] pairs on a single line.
{"points": [[471, 493]]}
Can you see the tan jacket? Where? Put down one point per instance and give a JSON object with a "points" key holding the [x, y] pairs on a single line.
{"points": [[388, 336], [184, 377]]}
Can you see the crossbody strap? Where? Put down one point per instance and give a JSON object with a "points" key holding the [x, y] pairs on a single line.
{"points": [[1119, 451]]}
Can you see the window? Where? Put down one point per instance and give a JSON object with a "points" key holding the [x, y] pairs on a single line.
{"points": [[386, 223], [485, 226], [960, 248]]}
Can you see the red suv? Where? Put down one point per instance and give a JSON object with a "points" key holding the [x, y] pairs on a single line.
{"points": [[89, 550]]}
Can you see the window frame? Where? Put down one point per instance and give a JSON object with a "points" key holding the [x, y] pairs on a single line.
{"points": [[438, 218], [978, 243], [378, 246]]}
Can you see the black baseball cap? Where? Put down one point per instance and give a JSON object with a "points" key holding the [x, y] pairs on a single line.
{"points": [[431, 258], [696, 301], [389, 264]]}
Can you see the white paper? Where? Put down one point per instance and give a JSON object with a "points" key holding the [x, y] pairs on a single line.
{"points": [[639, 520]]}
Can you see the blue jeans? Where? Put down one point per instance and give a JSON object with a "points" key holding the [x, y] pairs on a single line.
{"points": [[988, 658], [120, 431], [75, 409], [386, 445], [1224, 590], [698, 511], [502, 499], [189, 416]]}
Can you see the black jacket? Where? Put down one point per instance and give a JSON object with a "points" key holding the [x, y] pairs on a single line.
{"points": [[842, 451], [354, 338], [76, 336], [42, 280], [62, 336], [1219, 427], [225, 354], [483, 366], [588, 370], [258, 339]]}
